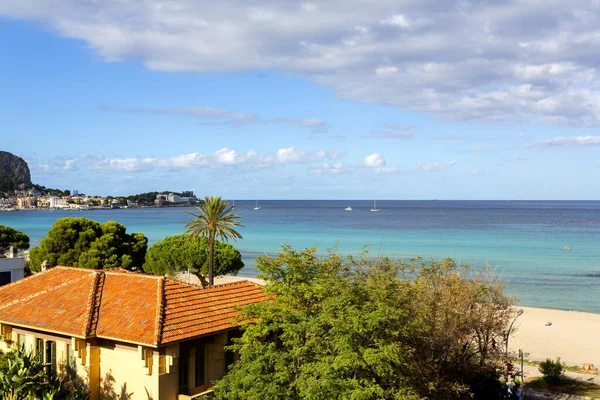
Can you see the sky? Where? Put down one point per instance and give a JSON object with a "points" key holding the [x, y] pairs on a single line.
{"points": [[379, 99]]}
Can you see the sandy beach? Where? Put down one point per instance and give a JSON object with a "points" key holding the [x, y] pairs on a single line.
{"points": [[573, 336]]}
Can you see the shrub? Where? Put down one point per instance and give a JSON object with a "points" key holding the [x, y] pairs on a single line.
{"points": [[552, 370]]}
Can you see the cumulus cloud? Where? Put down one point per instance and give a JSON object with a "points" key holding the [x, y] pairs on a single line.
{"points": [[289, 155], [493, 60], [374, 160], [568, 141], [437, 166]]}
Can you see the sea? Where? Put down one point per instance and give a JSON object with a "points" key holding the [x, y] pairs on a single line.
{"points": [[547, 251]]}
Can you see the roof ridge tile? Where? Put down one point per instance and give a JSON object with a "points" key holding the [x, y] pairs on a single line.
{"points": [[160, 311], [93, 305]]}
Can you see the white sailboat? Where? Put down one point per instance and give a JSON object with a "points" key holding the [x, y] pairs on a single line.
{"points": [[348, 208], [375, 209], [257, 207]]}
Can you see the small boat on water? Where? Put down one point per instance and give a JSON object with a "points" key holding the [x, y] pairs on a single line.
{"points": [[566, 248], [257, 207], [348, 208], [375, 209]]}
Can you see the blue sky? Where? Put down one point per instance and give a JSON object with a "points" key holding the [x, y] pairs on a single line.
{"points": [[305, 100]]}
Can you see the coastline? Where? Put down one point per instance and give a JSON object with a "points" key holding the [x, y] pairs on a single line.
{"points": [[573, 335]]}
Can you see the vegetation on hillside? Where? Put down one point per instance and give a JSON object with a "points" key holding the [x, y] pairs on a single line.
{"points": [[81, 242], [14, 171], [354, 328], [179, 253]]}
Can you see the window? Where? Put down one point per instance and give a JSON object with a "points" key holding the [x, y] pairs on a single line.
{"points": [[199, 367], [50, 356], [71, 363], [183, 371], [21, 341], [4, 278], [39, 349]]}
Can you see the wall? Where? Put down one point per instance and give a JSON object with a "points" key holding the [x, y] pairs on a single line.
{"points": [[62, 347], [129, 371], [15, 265]]}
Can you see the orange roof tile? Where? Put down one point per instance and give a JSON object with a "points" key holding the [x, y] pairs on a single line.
{"points": [[143, 309]]}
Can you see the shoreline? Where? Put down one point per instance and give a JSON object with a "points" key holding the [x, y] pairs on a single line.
{"points": [[572, 335]]}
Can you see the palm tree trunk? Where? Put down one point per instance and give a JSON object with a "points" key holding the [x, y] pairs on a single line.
{"points": [[211, 269]]}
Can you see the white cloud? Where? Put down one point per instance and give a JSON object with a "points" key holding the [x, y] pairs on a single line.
{"points": [[568, 141], [471, 61], [289, 155], [437, 166], [397, 20], [374, 160], [386, 71], [329, 169]]}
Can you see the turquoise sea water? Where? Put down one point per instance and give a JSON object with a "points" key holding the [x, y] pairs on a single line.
{"points": [[522, 240]]}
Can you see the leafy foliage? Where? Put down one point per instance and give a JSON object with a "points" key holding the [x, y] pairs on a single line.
{"points": [[179, 253], [10, 237], [354, 328], [552, 370], [81, 242], [23, 377], [216, 219]]}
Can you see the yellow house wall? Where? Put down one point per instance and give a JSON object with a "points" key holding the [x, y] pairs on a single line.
{"points": [[111, 368], [123, 371], [169, 381], [62, 354]]}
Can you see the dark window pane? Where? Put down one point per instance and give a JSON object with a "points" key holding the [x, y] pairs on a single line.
{"points": [[200, 366]]}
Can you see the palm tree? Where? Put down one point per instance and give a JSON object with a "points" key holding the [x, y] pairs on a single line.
{"points": [[215, 219]]}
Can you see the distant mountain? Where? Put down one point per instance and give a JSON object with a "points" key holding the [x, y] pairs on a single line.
{"points": [[13, 172]]}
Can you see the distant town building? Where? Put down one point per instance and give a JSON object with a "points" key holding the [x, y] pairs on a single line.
{"points": [[57, 202]]}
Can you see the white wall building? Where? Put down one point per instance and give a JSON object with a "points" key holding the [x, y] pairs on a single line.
{"points": [[11, 267], [57, 202]]}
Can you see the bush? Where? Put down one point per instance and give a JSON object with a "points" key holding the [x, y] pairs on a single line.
{"points": [[552, 370]]}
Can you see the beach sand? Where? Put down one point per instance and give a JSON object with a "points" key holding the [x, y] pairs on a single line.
{"points": [[573, 336]]}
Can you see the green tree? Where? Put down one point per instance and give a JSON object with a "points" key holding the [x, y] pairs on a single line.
{"points": [[179, 253], [216, 219], [10, 237], [22, 376], [82, 242], [355, 328]]}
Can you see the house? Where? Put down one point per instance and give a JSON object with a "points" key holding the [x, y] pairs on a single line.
{"points": [[12, 267], [133, 335]]}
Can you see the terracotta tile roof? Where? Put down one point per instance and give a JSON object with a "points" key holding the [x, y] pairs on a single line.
{"points": [[191, 310], [144, 309]]}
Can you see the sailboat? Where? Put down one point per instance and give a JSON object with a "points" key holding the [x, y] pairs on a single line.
{"points": [[375, 209], [348, 208], [257, 207], [233, 204]]}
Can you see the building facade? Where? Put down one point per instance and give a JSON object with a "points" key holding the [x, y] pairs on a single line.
{"points": [[128, 335]]}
